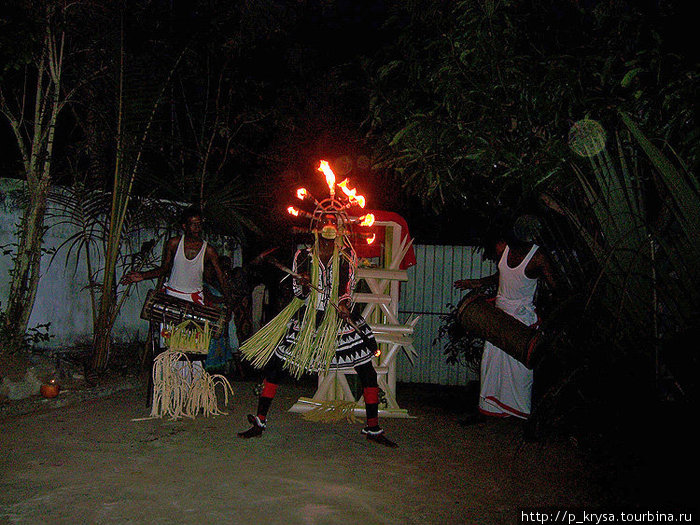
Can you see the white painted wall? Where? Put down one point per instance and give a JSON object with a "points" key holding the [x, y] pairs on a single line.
{"points": [[63, 300]]}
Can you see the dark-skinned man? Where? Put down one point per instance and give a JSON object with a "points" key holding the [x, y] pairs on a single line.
{"points": [[506, 383], [184, 258]]}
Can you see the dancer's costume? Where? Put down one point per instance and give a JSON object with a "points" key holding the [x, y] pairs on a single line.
{"points": [[352, 349], [309, 334]]}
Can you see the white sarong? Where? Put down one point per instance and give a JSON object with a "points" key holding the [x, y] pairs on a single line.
{"points": [[506, 383]]}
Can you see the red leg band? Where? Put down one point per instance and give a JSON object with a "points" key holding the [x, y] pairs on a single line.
{"points": [[269, 389], [371, 395]]}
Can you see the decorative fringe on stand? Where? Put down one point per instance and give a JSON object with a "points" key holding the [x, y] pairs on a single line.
{"points": [[177, 392], [332, 411], [189, 336]]}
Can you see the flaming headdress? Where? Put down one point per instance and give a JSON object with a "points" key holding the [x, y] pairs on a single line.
{"points": [[330, 217]]}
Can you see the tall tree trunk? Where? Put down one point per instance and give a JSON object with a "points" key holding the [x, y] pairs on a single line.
{"points": [[102, 341], [121, 193], [36, 144], [26, 270], [131, 138]]}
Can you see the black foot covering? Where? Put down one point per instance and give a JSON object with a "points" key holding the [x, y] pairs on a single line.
{"points": [[378, 437], [254, 431]]}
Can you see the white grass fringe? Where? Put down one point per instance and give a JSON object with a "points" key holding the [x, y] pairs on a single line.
{"points": [[180, 391], [331, 411]]}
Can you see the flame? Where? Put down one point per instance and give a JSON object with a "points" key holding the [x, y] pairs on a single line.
{"points": [[302, 194], [370, 239], [293, 211], [352, 194], [330, 176], [367, 220]]}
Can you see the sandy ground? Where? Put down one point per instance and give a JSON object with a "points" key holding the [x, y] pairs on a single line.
{"points": [[83, 460]]}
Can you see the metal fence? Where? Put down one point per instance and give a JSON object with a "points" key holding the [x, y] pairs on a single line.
{"points": [[429, 293]]}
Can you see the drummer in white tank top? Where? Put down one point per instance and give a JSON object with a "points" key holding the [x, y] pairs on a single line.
{"points": [[183, 262], [506, 384], [516, 291]]}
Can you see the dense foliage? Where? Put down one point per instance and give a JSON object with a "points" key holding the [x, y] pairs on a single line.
{"points": [[474, 102], [472, 109]]}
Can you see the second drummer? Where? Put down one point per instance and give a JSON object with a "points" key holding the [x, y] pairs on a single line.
{"points": [[506, 383]]}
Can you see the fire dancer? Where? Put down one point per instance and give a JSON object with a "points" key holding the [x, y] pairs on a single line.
{"points": [[318, 331], [506, 383]]}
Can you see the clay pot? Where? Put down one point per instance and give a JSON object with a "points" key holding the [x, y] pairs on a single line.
{"points": [[49, 390]]}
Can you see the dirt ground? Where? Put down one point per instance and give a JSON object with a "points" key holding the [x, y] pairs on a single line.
{"points": [[80, 458]]}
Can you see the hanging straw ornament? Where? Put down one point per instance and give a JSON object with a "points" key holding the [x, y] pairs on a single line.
{"points": [[307, 331], [180, 392], [259, 348]]}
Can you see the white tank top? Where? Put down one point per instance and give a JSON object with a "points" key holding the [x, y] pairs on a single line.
{"points": [[186, 275], [516, 291]]}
